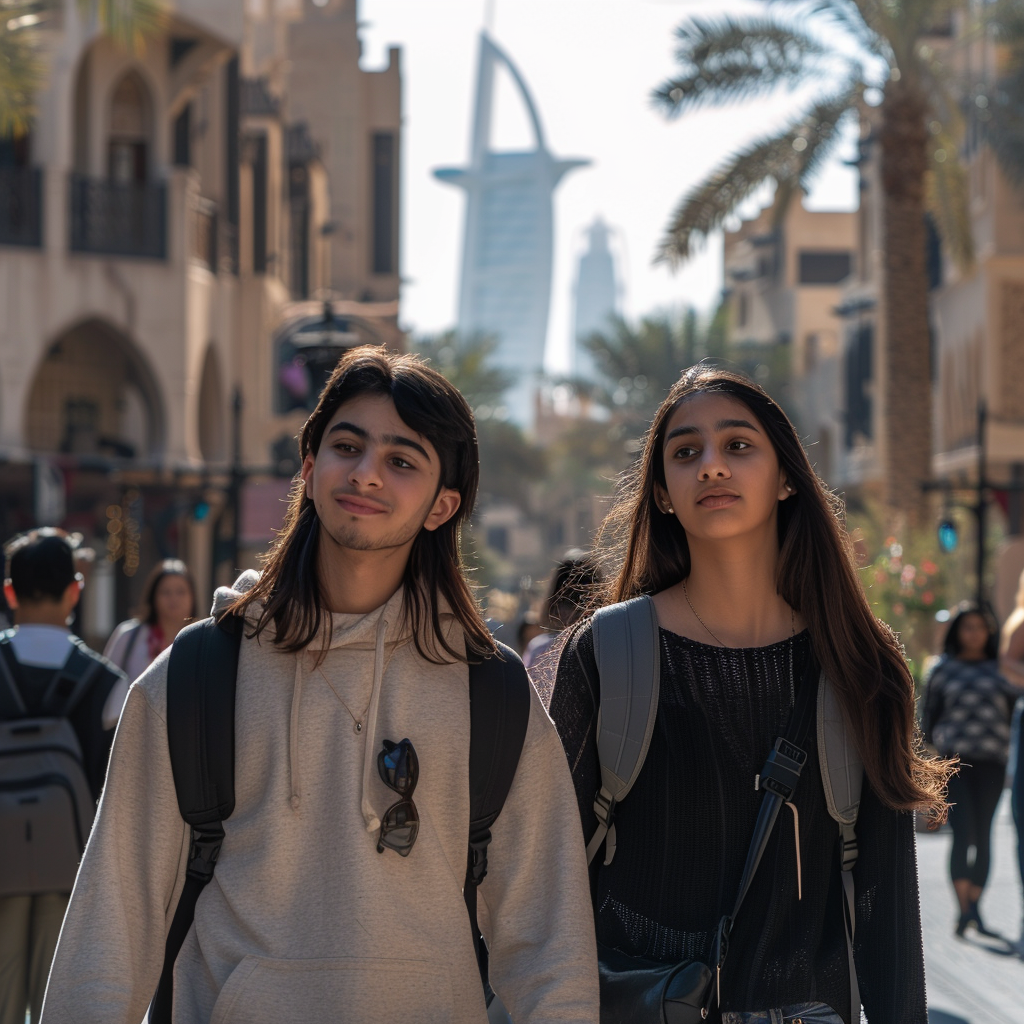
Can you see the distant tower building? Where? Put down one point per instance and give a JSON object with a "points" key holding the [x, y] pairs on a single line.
{"points": [[596, 296], [505, 289]]}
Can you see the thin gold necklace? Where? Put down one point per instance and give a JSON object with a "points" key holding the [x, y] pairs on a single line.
{"points": [[357, 722], [792, 619]]}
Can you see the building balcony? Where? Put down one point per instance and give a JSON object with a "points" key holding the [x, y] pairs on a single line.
{"points": [[118, 219], [21, 206]]}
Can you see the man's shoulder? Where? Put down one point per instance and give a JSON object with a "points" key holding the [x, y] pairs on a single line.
{"points": [[108, 667]]}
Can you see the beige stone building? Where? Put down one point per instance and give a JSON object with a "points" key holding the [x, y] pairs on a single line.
{"points": [[189, 237], [783, 283]]}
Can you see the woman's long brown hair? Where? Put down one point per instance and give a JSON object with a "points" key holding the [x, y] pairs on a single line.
{"points": [[816, 576], [289, 587]]}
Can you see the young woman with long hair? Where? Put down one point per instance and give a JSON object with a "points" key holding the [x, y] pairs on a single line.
{"points": [[724, 522], [966, 714]]}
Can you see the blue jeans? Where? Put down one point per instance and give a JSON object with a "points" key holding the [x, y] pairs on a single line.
{"points": [[803, 1013]]}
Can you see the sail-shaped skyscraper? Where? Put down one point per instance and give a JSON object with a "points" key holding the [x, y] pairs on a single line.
{"points": [[505, 288]]}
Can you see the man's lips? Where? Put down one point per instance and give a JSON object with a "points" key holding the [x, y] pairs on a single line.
{"points": [[718, 500], [358, 506]]}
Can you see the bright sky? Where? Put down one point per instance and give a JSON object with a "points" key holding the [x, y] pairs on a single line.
{"points": [[591, 66]]}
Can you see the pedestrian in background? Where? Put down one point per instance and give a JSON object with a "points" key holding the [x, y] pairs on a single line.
{"points": [[56, 726], [967, 709], [570, 592], [1011, 661], [168, 603], [725, 526]]}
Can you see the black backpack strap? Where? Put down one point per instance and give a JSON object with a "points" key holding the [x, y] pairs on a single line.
{"points": [[12, 700], [201, 740], [499, 710], [72, 681]]}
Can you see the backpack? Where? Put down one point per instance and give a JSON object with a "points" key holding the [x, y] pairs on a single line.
{"points": [[627, 649], [46, 803], [201, 737]]}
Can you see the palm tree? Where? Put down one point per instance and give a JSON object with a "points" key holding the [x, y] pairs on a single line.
{"points": [[22, 71], [844, 49]]}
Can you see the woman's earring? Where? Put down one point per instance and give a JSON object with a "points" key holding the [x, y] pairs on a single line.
{"points": [[669, 510]]}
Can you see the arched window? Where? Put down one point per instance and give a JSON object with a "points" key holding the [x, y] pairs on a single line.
{"points": [[130, 123]]}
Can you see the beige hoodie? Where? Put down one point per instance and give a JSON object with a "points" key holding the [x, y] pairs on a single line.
{"points": [[304, 921]]}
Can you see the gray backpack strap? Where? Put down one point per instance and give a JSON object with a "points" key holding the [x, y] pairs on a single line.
{"points": [[628, 655], [842, 774]]}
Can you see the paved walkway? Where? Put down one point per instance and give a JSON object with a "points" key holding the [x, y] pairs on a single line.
{"points": [[972, 980]]}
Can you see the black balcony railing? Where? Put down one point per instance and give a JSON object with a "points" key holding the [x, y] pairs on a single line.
{"points": [[118, 219], [21, 206]]}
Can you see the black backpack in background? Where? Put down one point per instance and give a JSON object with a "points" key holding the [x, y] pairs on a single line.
{"points": [[46, 803], [201, 737]]}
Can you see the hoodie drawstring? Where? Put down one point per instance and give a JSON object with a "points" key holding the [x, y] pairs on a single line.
{"points": [[370, 751]]}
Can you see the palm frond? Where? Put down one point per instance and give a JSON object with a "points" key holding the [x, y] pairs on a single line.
{"points": [[725, 60], [127, 22], [844, 14], [22, 74], [791, 156], [948, 199]]}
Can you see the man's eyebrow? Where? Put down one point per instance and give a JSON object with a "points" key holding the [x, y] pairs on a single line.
{"points": [[343, 426], [719, 426]]}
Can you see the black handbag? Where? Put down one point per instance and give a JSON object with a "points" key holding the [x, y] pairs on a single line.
{"points": [[639, 991]]}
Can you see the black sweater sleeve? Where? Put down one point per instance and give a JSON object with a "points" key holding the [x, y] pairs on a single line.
{"points": [[888, 945]]}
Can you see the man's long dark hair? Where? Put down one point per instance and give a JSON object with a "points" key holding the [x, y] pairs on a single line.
{"points": [[816, 577], [290, 588]]}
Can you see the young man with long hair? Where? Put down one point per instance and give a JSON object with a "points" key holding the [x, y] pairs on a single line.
{"points": [[352, 677], [724, 524]]}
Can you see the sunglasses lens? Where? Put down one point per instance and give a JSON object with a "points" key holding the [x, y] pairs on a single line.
{"points": [[398, 766], [399, 828]]}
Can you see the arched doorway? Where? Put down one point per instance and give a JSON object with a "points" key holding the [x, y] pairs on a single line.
{"points": [[94, 395]]}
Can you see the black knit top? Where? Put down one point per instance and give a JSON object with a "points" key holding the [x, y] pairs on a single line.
{"points": [[684, 831]]}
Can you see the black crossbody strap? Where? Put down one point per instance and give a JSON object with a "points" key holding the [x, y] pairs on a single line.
{"points": [[778, 779]]}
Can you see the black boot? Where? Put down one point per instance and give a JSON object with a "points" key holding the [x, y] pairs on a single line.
{"points": [[975, 919]]}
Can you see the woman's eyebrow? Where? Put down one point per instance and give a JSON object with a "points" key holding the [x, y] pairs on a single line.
{"points": [[719, 426]]}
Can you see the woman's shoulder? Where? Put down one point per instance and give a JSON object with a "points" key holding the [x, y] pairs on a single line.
{"points": [[121, 630]]}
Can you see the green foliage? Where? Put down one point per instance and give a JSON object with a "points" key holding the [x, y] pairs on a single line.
{"points": [[725, 60], [906, 579], [22, 70]]}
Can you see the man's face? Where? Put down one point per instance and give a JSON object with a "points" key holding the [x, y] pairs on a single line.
{"points": [[375, 482]]}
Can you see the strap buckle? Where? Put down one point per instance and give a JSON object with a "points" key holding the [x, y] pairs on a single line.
{"points": [[478, 858], [604, 808], [781, 772], [204, 850]]}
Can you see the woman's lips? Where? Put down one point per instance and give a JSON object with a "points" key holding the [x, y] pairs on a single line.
{"points": [[719, 500]]}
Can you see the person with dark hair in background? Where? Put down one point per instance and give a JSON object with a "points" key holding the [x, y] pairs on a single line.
{"points": [[966, 713], [330, 900], [47, 675], [573, 586], [168, 604], [724, 526]]}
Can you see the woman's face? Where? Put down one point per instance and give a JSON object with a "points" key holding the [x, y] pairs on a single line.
{"points": [[973, 636], [722, 476], [172, 598]]}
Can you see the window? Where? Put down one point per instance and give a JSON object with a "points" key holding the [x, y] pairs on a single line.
{"points": [[384, 196], [259, 204], [824, 267], [183, 138]]}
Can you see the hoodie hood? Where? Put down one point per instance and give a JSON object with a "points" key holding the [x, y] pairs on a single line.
{"points": [[382, 630]]}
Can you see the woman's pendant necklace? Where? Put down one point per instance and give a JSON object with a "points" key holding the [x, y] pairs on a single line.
{"points": [[792, 630], [357, 722]]}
